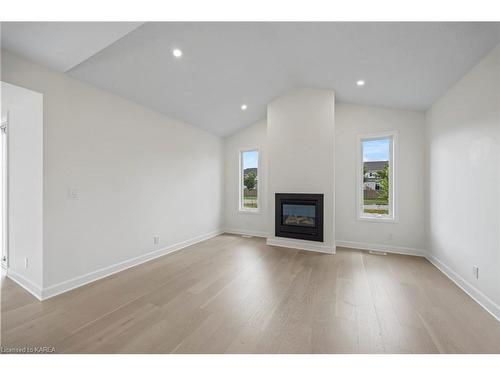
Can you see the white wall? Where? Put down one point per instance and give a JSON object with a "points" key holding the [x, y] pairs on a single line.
{"points": [[301, 154], [408, 234], [463, 138], [236, 221], [137, 174], [24, 109]]}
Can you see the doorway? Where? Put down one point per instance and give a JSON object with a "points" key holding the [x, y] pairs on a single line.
{"points": [[4, 191]]}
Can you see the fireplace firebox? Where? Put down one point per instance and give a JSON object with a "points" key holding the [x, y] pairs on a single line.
{"points": [[299, 216]]}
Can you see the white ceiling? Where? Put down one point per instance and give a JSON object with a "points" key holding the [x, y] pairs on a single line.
{"points": [[62, 45], [405, 65]]}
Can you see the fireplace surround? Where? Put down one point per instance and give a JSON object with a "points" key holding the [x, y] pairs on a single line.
{"points": [[299, 216]]}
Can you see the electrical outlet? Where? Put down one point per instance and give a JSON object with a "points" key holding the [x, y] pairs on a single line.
{"points": [[390, 236], [156, 240], [25, 262], [475, 271]]}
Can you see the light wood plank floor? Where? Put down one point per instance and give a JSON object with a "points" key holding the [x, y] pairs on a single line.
{"points": [[237, 295]]}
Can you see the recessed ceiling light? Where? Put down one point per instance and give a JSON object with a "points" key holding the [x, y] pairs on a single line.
{"points": [[244, 107], [360, 82], [177, 52]]}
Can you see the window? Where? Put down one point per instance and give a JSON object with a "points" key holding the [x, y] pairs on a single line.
{"points": [[376, 177], [249, 178]]}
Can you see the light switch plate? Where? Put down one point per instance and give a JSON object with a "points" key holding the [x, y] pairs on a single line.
{"points": [[74, 193]]}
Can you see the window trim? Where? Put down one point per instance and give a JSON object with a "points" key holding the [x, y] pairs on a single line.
{"points": [[393, 177], [240, 182]]}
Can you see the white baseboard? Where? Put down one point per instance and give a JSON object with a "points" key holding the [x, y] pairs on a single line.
{"points": [[79, 281], [45, 293], [468, 288], [32, 288], [377, 247], [254, 233], [301, 245]]}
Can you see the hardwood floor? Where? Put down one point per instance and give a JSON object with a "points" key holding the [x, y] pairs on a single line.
{"points": [[238, 295]]}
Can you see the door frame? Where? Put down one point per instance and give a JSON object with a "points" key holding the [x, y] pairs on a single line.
{"points": [[4, 196]]}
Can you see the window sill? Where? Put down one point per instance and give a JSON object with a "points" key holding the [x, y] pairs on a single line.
{"points": [[249, 211], [375, 219]]}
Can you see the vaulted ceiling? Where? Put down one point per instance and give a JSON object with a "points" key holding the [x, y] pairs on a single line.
{"points": [[226, 65]]}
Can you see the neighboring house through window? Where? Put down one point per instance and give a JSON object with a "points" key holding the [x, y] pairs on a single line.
{"points": [[376, 176]]}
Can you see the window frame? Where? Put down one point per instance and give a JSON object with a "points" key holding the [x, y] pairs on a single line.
{"points": [[393, 177], [241, 208]]}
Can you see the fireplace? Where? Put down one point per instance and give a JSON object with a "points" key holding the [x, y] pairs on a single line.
{"points": [[299, 216]]}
